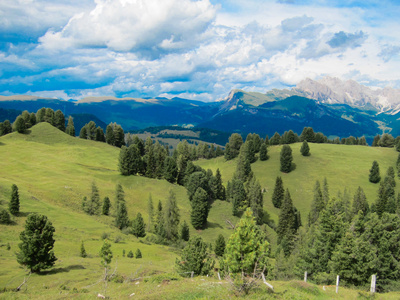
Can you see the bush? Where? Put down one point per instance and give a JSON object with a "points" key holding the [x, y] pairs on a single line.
{"points": [[130, 254], [4, 217], [105, 235]]}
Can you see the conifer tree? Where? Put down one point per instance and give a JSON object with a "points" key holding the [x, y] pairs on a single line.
{"points": [[138, 253], [227, 153], [119, 136], [374, 175], [59, 120], [360, 203], [219, 248], [70, 127], [276, 139], [317, 205], [286, 229], [106, 254], [255, 200], [83, 133], [121, 219], [83, 251], [150, 210], [170, 171], [263, 152], [185, 234], [220, 189], [237, 196], [92, 206], [305, 149], [138, 226], [14, 201], [325, 191], [199, 213], [130, 254], [235, 142], [4, 217], [279, 193], [37, 243], [159, 225], [243, 167], [286, 159], [106, 206], [110, 135], [99, 135], [19, 125], [171, 218], [195, 258]]}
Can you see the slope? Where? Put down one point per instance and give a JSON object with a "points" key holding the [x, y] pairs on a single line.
{"points": [[343, 167]]}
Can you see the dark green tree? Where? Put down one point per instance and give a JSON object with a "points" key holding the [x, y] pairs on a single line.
{"points": [[286, 229], [130, 161], [243, 167], [305, 149], [138, 226], [308, 135], [227, 153], [150, 210], [138, 253], [19, 125], [286, 159], [110, 135], [374, 175], [92, 206], [263, 152], [4, 217], [235, 142], [70, 127], [121, 219], [317, 205], [37, 243], [49, 116], [159, 225], [185, 234], [219, 248], [130, 254], [14, 200], [237, 196], [99, 135], [59, 120], [119, 136], [106, 206], [83, 251], [220, 189], [275, 140], [195, 258], [83, 133], [360, 203], [278, 193], [170, 169], [40, 115], [255, 200], [106, 254], [171, 218], [199, 213]]}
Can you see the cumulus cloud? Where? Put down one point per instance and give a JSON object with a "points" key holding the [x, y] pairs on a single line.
{"points": [[347, 40], [144, 26]]}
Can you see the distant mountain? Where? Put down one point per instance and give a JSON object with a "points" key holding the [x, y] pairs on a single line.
{"points": [[334, 107]]}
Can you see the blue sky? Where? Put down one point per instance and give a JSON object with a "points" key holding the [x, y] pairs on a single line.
{"points": [[193, 49]]}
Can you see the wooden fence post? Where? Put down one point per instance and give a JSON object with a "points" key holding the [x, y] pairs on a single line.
{"points": [[337, 284], [305, 276], [191, 276], [373, 284]]}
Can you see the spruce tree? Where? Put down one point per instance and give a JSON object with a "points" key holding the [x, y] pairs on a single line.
{"points": [[195, 258], [227, 153], [305, 149], [138, 253], [243, 167], [130, 254], [106, 206], [286, 228], [360, 203], [83, 251], [83, 133], [325, 191], [110, 135], [374, 175], [37, 243], [171, 217], [59, 120], [70, 127], [219, 248], [150, 211], [106, 254], [317, 205], [185, 234], [4, 217], [92, 207], [278, 193], [255, 200], [237, 196], [19, 125], [263, 152], [138, 226], [121, 219], [219, 186], [199, 213], [14, 201], [286, 159], [99, 135], [159, 225], [170, 171]]}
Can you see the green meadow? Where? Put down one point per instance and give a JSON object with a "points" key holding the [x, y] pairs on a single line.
{"points": [[54, 171]]}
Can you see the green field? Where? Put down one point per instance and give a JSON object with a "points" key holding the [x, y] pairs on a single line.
{"points": [[53, 171]]}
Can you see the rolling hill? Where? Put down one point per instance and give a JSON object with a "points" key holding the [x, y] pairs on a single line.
{"points": [[54, 171]]}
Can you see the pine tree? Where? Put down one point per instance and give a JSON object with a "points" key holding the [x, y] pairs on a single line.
{"points": [[70, 127], [219, 248], [110, 135], [374, 175], [130, 254], [106, 254], [263, 152], [138, 226], [99, 135], [106, 206], [220, 194], [286, 229], [237, 196], [92, 207], [195, 258], [360, 203], [138, 253], [19, 125], [286, 159], [325, 191], [170, 171], [246, 252], [308, 135], [185, 234], [243, 167], [4, 217], [121, 219], [14, 201], [150, 210], [199, 211], [37, 244], [279, 193], [59, 120], [83, 133], [159, 225], [227, 153], [119, 136], [171, 219], [255, 200], [83, 251], [276, 139], [235, 142], [305, 149], [317, 205]]}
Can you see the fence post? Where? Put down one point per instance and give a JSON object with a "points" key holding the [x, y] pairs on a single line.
{"points": [[305, 276], [373, 284], [219, 277], [191, 275], [337, 284]]}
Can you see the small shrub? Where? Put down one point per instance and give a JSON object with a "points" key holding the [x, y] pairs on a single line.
{"points": [[105, 235], [130, 254], [4, 217], [8, 246], [123, 253], [138, 253], [118, 278], [118, 239]]}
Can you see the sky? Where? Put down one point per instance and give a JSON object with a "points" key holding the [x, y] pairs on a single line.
{"points": [[200, 50]]}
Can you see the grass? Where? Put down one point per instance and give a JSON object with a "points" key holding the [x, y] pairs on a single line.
{"points": [[54, 171]]}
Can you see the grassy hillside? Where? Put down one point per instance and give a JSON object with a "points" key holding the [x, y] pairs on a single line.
{"points": [[54, 171], [343, 166]]}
